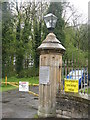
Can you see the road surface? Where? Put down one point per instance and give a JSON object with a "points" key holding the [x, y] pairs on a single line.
{"points": [[17, 104]]}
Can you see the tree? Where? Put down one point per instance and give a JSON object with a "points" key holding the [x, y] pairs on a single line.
{"points": [[71, 45], [84, 37], [19, 42], [8, 39], [38, 29], [29, 33]]}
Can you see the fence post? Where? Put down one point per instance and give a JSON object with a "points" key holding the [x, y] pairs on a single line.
{"points": [[81, 77], [84, 79], [72, 68], [87, 74], [78, 73], [62, 76], [75, 68], [65, 68]]}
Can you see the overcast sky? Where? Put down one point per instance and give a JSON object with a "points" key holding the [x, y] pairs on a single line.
{"points": [[81, 5]]}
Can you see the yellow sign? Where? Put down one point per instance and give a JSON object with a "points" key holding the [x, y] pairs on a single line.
{"points": [[71, 85]]}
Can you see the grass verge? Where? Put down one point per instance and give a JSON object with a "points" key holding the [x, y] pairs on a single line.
{"points": [[32, 80]]}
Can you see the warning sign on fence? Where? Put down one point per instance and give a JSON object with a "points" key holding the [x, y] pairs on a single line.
{"points": [[71, 85], [23, 86]]}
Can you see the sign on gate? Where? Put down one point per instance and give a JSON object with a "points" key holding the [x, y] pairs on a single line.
{"points": [[71, 86], [23, 86]]}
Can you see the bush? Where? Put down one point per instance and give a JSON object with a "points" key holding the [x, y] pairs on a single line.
{"points": [[30, 72], [9, 73]]}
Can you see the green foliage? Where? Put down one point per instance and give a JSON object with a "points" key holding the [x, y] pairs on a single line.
{"points": [[72, 49], [33, 80], [36, 42], [19, 46], [8, 40], [6, 12], [6, 88], [30, 72], [36, 116]]}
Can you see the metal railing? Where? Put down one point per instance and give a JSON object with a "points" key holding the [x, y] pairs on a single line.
{"points": [[74, 70]]}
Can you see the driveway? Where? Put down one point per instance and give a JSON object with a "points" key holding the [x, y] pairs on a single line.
{"points": [[17, 104]]}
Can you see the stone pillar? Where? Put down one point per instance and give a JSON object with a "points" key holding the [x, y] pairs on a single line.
{"points": [[51, 52]]}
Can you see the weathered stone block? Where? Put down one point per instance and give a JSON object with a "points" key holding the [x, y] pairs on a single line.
{"points": [[64, 112], [59, 112], [85, 115], [76, 115], [65, 116], [59, 116], [67, 113]]}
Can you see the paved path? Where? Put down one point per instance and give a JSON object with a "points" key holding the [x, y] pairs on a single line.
{"points": [[17, 104]]}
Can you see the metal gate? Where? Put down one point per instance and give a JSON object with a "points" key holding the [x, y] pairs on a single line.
{"points": [[75, 70]]}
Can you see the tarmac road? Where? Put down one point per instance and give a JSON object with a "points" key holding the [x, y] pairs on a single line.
{"points": [[17, 104]]}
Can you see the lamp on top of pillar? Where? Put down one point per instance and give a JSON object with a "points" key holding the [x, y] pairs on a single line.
{"points": [[50, 21]]}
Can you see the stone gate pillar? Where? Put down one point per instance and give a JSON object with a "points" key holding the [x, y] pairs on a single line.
{"points": [[51, 52]]}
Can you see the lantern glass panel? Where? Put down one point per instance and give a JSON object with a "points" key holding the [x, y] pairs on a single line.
{"points": [[50, 20]]}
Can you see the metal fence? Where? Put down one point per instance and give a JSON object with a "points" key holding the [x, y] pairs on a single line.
{"points": [[75, 70]]}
